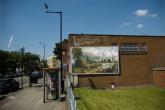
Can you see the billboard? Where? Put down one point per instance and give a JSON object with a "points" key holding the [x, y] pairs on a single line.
{"points": [[94, 60]]}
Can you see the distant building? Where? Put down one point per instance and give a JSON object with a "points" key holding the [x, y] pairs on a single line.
{"points": [[52, 61]]}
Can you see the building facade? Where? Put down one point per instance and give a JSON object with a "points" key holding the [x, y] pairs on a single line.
{"points": [[52, 61], [138, 56]]}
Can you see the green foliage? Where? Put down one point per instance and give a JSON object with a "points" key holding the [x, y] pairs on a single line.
{"points": [[10, 61], [43, 64], [109, 61], [57, 50], [148, 98], [30, 62], [77, 54], [4, 62]]}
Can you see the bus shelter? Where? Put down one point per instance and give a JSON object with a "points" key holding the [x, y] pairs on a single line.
{"points": [[51, 84]]}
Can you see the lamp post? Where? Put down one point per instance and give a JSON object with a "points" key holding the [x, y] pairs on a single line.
{"points": [[44, 48], [60, 13], [22, 53]]}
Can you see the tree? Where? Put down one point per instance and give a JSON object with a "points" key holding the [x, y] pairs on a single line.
{"points": [[57, 49], [77, 53], [109, 61], [3, 62], [43, 64], [30, 62], [10, 61]]}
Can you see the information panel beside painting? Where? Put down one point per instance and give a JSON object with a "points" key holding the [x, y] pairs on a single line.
{"points": [[94, 60]]}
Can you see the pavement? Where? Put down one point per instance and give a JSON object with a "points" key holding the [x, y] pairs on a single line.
{"points": [[29, 98]]}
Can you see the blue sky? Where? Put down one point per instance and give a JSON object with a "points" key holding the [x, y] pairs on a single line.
{"points": [[26, 21]]}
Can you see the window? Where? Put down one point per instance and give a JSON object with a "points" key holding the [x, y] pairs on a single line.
{"points": [[144, 47], [133, 48], [129, 47]]}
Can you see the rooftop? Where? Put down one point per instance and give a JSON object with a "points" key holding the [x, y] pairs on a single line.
{"points": [[82, 34]]}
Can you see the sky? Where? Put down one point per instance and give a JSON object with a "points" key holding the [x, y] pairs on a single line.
{"points": [[24, 23], [102, 52]]}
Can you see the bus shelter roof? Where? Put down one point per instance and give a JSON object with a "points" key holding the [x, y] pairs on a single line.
{"points": [[54, 69]]}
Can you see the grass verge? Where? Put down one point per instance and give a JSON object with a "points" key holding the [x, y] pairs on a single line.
{"points": [[150, 98]]}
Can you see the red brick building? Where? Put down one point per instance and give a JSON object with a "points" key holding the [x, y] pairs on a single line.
{"points": [[139, 54]]}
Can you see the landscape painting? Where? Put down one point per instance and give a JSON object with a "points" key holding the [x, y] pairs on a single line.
{"points": [[94, 60]]}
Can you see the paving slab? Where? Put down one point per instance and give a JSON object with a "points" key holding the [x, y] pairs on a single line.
{"points": [[30, 98]]}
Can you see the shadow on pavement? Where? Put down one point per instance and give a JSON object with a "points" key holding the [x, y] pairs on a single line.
{"points": [[63, 98], [37, 85], [2, 97]]}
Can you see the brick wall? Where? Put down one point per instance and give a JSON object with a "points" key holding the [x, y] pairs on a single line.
{"points": [[135, 69], [159, 77]]}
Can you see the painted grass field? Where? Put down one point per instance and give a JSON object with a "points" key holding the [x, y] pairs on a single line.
{"points": [[148, 98]]}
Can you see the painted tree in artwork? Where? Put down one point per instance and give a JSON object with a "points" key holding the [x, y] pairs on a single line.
{"points": [[77, 53]]}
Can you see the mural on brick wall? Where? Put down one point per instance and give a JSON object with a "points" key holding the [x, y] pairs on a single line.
{"points": [[94, 60]]}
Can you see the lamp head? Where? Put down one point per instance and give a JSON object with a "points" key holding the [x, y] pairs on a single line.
{"points": [[46, 7]]}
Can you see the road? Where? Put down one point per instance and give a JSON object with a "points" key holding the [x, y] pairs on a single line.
{"points": [[29, 98]]}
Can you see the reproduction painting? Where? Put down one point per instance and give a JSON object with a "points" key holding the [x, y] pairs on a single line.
{"points": [[94, 60]]}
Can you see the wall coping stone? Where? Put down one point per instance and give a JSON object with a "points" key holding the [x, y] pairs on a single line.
{"points": [[158, 69]]}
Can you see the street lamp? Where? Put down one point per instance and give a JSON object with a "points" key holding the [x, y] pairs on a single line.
{"points": [[44, 48], [60, 13], [22, 52]]}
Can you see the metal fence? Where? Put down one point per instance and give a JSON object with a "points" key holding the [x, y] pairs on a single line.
{"points": [[70, 96]]}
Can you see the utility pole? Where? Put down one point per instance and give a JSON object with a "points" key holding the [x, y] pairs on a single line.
{"points": [[60, 73], [22, 53]]}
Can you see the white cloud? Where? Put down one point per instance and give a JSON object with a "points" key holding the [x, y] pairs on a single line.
{"points": [[105, 52], [144, 13], [126, 24], [140, 12], [139, 26], [153, 15]]}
